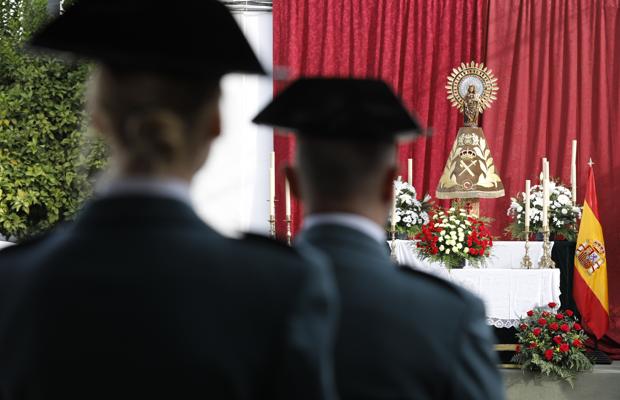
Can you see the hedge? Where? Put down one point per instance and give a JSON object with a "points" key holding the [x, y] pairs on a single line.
{"points": [[48, 159]]}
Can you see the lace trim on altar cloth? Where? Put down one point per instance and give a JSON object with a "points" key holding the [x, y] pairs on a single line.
{"points": [[503, 323]]}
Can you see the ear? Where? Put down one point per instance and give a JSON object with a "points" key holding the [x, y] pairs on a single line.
{"points": [[215, 122], [292, 175], [387, 191], [98, 123]]}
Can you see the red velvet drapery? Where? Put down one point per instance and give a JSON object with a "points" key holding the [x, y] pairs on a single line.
{"points": [[558, 69], [410, 44]]}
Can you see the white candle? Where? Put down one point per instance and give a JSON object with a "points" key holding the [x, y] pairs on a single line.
{"points": [[410, 171], [288, 200], [393, 218], [527, 204], [272, 186], [545, 193], [573, 172]]}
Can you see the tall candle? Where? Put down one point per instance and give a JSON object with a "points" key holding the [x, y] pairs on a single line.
{"points": [[393, 219], [272, 186], [545, 194], [410, 171], [527, 204], [573, 172], [288, 200]]}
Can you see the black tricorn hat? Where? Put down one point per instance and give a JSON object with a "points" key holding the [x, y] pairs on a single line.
{"points": [[341, 108], [196, 37]]}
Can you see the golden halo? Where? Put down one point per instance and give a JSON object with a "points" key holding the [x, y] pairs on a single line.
{"points": [[475, 74]]}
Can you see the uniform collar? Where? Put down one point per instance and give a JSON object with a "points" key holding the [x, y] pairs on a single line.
{"points": [[353, 221], [171, 188]]}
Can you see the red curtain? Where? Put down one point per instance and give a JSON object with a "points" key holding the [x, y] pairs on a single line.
{"points": [[410, 44], [557, 64], [558, 68]]}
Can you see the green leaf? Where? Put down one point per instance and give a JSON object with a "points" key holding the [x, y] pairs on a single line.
{"points": [[43, 175]]}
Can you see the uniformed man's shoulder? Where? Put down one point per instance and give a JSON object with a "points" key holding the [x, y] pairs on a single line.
{"points": [[23, 246], [261, 242], [441, 287], [262, 248]]}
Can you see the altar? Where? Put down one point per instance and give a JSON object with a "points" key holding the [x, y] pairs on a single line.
{"points": [[507, 290]]}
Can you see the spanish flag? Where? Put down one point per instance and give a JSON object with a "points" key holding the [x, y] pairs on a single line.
{"points": [[590, 275]]}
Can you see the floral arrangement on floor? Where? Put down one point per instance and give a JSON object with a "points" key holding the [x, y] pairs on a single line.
{"points": [[454, 237], [411, 213], [563, 214], [552, 343]]}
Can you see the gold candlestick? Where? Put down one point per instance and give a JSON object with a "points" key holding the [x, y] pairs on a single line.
{"points": [[289, 233], [526, 262], [272, 226], [545, 260]]}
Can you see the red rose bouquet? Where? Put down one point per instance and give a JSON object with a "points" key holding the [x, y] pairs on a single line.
{"points": [[453, 237], [552, 343]]}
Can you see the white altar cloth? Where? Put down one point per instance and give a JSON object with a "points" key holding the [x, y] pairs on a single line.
{"points": [[507, 291], [504, 254]]}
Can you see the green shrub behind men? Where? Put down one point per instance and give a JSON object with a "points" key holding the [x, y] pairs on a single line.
{"points": [[47, 160]]}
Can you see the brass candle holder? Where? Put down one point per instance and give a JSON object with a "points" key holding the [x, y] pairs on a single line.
{"points": [[545, 260], [526, 262], [272, 226], [289, 233]]}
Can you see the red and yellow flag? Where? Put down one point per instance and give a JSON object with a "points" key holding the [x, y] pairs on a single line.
{"points": [[590, 275]]}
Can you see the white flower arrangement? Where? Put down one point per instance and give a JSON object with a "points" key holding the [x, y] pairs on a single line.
{"points": [[563, 213], [454, 236], [411, 214]]}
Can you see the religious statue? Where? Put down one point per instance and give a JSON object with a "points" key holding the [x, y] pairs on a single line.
{"points": [[471, 108], [470, 172]]}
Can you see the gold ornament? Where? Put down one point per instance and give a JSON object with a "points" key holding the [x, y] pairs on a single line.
{"points": [[470, 172], [471, 89]]}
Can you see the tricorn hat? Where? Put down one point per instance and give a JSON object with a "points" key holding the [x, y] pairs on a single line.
{"points": [[196, 37]]}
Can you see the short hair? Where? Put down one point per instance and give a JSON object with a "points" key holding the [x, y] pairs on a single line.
{"points": [[151, 116], [343, 169]]}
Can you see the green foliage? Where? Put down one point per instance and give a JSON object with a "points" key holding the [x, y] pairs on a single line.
{"points": [[47, 158]]}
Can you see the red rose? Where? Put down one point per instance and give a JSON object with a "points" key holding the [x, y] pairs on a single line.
{"points": [[564, 348], [565, 327], [577, 343], [557, 339], [569, 313], [545, 314], [559, 316], [530, 313], [523, 327], [542, 322], [532, 345], [536, 331], [553, 326], [518, 348], [577, 326], [552, 305], [549, 354]]}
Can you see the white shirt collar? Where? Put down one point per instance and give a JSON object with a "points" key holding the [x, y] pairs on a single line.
{"points": [[160, 187], [353, 221]]}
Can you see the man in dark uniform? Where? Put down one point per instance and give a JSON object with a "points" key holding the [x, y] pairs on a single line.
{"points": [[140, 299], [402, 334]]}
